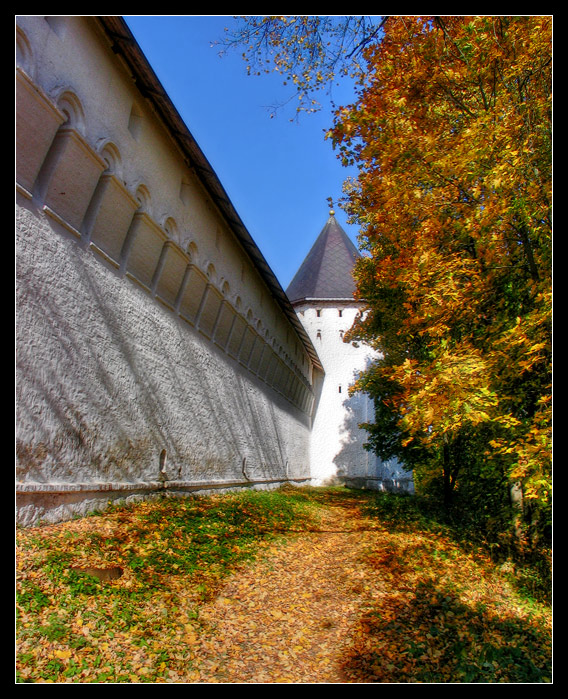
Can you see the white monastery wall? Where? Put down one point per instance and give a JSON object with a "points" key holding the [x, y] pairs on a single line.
{"points": [[152, 353]]}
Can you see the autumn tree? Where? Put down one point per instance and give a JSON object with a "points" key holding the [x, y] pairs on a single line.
{"points": [[451, 135]]}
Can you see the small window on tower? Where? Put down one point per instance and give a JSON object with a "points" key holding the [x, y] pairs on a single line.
{"points": [[339, 388], [318, 335], [318, 312], [340, 312]]}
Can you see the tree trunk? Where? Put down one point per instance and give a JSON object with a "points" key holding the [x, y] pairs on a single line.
{"points": [[447, 467]]}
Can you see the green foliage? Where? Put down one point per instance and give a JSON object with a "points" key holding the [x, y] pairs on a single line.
{"points": [[31, 598]]}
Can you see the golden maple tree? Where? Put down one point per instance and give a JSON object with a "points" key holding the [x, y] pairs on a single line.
{"points": [[451, 132], [452, 136]]}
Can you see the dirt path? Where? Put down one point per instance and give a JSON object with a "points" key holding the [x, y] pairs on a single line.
{"points": [[289, 617]]}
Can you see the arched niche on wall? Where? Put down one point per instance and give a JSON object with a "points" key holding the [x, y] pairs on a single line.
{"points": [[238, 329], [194, 286], [225, 318], [211, 303], [248, 339], [37, 119], [257, 348], [192, 251], [113, 160], [144, 243], [266, 355], [70, 105], [24, 53], [171, 228], [144, 199], [211, 273], [135, 121], [109, 216], [170, 277], [71, 170], [185, 190]]}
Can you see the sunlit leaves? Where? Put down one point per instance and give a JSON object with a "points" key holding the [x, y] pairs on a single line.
{"points": [[141, 626], [452, 137]]}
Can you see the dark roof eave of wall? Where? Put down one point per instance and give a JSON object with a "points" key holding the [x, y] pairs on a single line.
{"points": [[124, 44], [326, 299]]}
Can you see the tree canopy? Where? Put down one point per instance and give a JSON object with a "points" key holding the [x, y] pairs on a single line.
{"points": [[310, 52], [451, 132]]}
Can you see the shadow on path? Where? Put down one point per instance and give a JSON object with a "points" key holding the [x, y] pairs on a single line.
{"points": [[351, 602]]}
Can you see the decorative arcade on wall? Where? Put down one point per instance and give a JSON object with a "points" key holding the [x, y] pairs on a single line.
{"points": [[156, 350]]}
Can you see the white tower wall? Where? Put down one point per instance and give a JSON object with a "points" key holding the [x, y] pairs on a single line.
{"points": [[322, 293], [337, 441]]}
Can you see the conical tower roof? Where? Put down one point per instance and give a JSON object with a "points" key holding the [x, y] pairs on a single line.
{"points": [[326, 273]]}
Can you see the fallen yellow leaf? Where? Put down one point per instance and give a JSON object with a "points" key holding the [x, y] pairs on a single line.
{"points": [[63, 654]]}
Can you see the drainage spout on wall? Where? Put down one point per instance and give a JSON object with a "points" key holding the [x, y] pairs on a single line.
{"points": [[163, 475]]}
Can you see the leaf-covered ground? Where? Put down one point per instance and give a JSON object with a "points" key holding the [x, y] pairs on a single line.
{"points": [[298, 585]]}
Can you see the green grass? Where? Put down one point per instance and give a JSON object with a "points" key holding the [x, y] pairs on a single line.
{"points": [[174, 553]]}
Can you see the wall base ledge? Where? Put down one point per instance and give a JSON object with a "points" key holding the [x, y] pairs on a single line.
{"points": [[54, 488]]}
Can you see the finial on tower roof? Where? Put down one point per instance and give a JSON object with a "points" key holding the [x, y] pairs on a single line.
{"points": [[331, 212]]}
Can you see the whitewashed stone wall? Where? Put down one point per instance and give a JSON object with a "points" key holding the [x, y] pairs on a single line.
{"points": [[151, 353], [337, 450]]}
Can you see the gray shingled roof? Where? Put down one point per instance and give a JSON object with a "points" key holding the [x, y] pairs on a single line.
{"points": [[326, 273]]}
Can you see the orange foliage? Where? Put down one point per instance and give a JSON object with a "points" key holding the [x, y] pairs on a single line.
{"points": [[452, 135]]}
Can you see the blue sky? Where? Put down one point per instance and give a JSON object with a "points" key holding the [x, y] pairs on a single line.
{"points": [[277, 173]]}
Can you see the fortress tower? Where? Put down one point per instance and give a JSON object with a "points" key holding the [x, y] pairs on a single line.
{"points": [[322, 294]]}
